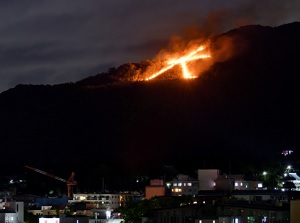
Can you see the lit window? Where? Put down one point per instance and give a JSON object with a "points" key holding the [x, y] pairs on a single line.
{"points": [[179, 184], [236, 184], [82, 198], [175, 184], [189, 184], [259, 185], [177, 190]]}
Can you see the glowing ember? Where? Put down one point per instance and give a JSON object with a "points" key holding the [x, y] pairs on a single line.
{"points": [[183, 62]]}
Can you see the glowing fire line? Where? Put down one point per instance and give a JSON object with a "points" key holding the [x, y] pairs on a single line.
{"points": [[183, 62]]}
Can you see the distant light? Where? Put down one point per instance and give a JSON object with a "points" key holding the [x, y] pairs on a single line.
{"points": [[287, 152], [108, 214], [48, 220]]}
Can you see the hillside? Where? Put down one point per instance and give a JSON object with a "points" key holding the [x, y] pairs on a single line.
{"points": [[243, 110]]}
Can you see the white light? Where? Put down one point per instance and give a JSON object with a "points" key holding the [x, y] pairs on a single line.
{"points": [[48, 220], [108, 214]]}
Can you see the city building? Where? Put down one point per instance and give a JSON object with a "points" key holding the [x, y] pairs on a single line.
{"points": [[11, 212], [156, 188], [183, 185], [207, 178], [95, 205], [212, 179]]}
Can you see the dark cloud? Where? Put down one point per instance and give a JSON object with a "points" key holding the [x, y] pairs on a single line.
{"points": [[48, 42]]}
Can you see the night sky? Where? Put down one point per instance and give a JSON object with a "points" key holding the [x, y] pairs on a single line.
{"points": [[52, 42]]}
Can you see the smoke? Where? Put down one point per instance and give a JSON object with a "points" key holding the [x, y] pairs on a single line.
{"points": [[265, 13]]}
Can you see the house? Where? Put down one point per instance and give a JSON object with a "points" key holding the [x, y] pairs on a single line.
{"points": [[11, 212]]}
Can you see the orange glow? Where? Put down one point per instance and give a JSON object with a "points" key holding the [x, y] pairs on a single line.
{"points": [[183, 60]]}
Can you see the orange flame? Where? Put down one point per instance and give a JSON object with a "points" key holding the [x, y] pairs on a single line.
{"points": [[183, 62]]}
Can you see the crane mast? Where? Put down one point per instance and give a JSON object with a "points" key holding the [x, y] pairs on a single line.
{"points": [[70, 182]]}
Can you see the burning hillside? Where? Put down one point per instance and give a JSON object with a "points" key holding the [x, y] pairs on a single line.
{"points": [[187, 61], [183, 59]]}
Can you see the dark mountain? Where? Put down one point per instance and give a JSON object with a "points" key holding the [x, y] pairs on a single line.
{"points": [[242, 111]]}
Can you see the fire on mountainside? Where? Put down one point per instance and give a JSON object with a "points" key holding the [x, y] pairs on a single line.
{"points": [[183, 59]]}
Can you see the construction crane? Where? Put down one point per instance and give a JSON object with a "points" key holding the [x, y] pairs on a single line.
{"points": [[70, 182]]}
